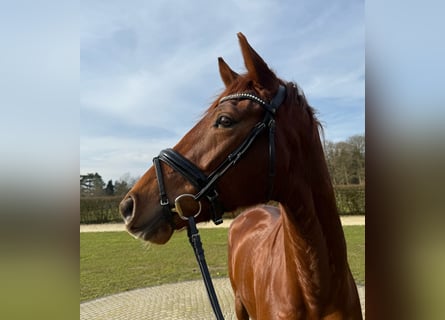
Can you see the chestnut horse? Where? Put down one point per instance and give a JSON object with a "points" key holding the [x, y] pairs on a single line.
{"points": [[258, 141]]}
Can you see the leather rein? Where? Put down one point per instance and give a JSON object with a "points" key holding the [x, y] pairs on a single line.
{"points": [[206, 185]]}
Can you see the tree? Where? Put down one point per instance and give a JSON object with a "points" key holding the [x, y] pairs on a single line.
{"points": [[109, 189], [346, 160], [357, 144], [329, 151], [121, 188], [91, 185], [124, 184]]}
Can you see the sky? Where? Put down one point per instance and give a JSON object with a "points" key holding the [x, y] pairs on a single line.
{"points": [[148, 69]]}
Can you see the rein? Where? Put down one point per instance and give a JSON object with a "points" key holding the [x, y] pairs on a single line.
{"points": [[195, 241], [206, 184]]}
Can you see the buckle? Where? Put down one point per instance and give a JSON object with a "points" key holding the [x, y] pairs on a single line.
{"points": [[213, 197]]}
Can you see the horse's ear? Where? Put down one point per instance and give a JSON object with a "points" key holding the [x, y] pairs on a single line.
{"points": [[227, 74], [256, 67]]}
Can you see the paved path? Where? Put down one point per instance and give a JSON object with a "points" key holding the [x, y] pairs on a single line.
{"points": [[345, 220], [182, 301]]}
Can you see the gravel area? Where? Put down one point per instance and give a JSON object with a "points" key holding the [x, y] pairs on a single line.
{"points": [[345, 220]]}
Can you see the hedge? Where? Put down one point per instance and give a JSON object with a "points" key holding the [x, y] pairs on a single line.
{"points": [[100, 209], [350, 201]]}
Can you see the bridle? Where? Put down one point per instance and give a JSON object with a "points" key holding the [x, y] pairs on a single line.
{"points": [[207, 184]]}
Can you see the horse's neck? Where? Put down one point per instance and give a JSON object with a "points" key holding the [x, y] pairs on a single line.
{"points": [[310, 220], [315, 246]]}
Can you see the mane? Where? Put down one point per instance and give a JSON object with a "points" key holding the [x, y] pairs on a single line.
{"points": [[296, 96], [324, 199], [310, 128], [304, 113]]}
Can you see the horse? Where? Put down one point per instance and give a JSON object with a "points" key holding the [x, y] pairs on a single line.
{"points": [[258, 141]]}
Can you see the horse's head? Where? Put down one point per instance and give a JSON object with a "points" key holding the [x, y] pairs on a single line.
{"points": [[229, 159]]}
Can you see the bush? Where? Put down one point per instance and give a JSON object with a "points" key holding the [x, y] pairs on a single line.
{"points": [[350, 199], [100, 209]]}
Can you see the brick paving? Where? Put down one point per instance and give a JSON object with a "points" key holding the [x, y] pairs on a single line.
{"points": [[182, 301]]}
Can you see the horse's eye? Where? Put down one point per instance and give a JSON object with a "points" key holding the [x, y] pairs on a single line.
{"points": [[224, 122]]}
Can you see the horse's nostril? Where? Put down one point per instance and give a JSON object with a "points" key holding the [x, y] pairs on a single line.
{"points": [[126, 209]]}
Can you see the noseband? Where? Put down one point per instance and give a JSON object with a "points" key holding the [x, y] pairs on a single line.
{"points": [[206, 184]]}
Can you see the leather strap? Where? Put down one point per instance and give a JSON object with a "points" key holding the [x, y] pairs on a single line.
{"points": [[183, 166], [162, 193], [195, 241]]}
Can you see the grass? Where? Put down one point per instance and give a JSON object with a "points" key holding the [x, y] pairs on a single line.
{"points": [[112, 262], [355, 240]]}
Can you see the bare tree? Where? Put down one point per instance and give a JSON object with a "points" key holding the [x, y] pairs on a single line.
{"points": [[346, 160]]}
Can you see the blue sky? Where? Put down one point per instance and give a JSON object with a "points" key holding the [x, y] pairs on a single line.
{"points": [[148, 69]]}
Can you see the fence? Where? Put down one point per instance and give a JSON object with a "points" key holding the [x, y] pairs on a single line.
{"points": [[350, 201]]}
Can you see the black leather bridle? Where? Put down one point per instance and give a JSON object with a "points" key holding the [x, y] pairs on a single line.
{"points": [[207, 184]]}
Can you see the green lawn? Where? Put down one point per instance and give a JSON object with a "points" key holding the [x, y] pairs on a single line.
{"points": [[112, 262]]}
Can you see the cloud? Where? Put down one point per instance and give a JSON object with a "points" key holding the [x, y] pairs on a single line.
{"points": [[148, 76]]}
